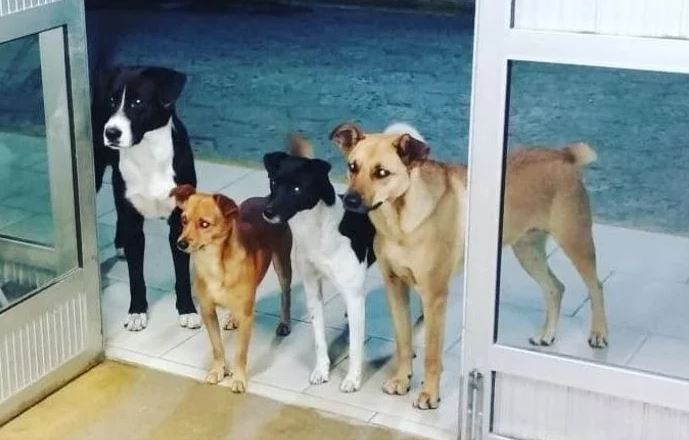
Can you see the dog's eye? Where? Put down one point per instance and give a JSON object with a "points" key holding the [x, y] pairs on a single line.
{"points": [[353, 168], [272, 183], [136, 103], [113, 101], [185, 220], [296, 189], [382, 173], [204, 224]]}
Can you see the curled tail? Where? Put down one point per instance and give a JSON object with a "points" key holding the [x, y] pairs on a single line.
{"points": [[298, 145], [581, 153]]}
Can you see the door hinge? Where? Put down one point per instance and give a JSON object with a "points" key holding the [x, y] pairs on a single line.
{"points": [[474, 408]]}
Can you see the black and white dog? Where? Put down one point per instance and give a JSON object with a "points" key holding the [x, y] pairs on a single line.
{"points": [[134, 117], [328, 243]]}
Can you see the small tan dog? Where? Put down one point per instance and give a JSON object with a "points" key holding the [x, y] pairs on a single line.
{"points": [[417, 206], [231, 248]]}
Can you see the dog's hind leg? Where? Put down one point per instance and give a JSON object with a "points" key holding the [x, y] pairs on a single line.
{"points": [[531, 254], [577, 243], [283, 268]]}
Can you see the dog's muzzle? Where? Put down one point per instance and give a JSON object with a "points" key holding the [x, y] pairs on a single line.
{"points": [[183, 245], [352, 202]]}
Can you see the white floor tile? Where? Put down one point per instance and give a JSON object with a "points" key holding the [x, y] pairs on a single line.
{"points": [[283, 362], [517, 325], [163, 332], [252, 184], [643, 303], [664, 355], [214, 176], [657, 256], [158, 269], [378, 365]]}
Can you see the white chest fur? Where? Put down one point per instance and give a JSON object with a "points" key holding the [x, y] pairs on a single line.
{"points": [[148, 174]]}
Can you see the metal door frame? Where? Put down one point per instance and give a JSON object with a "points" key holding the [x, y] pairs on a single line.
{"points": [[62, 38], [496, 44]]}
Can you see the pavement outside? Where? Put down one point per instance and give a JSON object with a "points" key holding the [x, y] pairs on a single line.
{"points": [[115, 401]]}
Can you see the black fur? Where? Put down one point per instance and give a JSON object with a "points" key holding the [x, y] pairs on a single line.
{"points": [[310, 176], [157, 89]]}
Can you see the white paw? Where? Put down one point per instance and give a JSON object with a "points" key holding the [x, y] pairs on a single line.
{"points": [[320, 374], [135, 322], [351, 383], [190, 320]]}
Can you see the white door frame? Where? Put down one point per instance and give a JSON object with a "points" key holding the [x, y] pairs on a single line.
{"points": [[496, 44], [54, 334]]}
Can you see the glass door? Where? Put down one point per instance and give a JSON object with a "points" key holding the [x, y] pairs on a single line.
{"points": [[49, 309], [576, 268]]}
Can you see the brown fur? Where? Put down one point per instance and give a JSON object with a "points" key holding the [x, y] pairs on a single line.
{"points": [[418, 210], [231, 249]]}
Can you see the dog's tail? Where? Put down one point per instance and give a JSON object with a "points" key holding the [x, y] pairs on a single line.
{"points": [[298, 145], [581, 154], [404, 128]]}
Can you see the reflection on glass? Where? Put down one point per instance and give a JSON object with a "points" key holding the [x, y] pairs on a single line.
{"points": [[635, 190], [25, 210]]}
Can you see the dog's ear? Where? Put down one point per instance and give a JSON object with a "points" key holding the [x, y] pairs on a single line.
{"points": [[227, 206], [411, 150], [182, 193], [320, 166], [169, 83], [298, 145], [103, 82], [346, 136], [271, 161], [326, 188]]}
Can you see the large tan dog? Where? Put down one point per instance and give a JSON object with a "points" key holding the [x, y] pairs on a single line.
{"points": [[231, 248], [417, 206]]}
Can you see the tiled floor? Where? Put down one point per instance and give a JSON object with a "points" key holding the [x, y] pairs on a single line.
{"points": [[645, 280]]}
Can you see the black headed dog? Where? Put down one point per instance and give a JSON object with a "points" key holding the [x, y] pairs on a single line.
{"points": [[136, 130]]}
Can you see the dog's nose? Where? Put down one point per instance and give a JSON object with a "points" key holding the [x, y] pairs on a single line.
{"points": [[352, 200], [268, 213], [182, 245], [113, 133]]}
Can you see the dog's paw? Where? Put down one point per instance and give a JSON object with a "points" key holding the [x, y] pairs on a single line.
{"points": [[397, 386], [119, 254], [230, 323], [351, 382], [320, 374], [283, 329], [190, 320], [135, 322], [426, 401], [215, 375], [542, 341], [237, 382], [598, 339]]}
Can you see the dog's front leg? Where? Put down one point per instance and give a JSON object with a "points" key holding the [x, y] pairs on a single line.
{"points": [[245, 316], [130, 227], [210, 319], [186, 310], [398, 301], [314, 300], [356, 314], [434, 298]]}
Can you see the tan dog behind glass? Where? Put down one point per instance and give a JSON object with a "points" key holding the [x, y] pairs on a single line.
{"points": [[417, 206], [231, 249]]}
